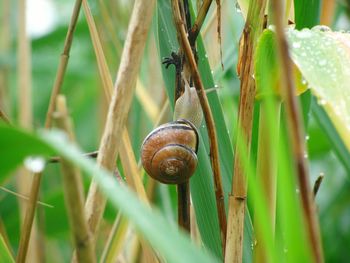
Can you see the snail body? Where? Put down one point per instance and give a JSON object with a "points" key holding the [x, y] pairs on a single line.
{"points": [[168, 153]]}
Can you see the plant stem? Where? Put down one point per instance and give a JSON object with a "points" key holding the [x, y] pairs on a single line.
{"points": [[62, 66], [197, 26], [296, 135], [120, 103], [183, 211], [29, 247], [5, 47], [327, 12], [214, 156], [267, 170], [28, 220], [119, 107], [34, 192], [237, 200], [73, 192]]}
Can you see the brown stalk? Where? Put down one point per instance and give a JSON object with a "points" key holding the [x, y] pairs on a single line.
{"points": [[327, 12], [214, 156], [5, 46], [73, 192], [127, 156], [34, 192], [184, 206], [296, 135], [120, 103], [28, 220], [29, 246], [63, 63], [237, 199], [197, 25]]}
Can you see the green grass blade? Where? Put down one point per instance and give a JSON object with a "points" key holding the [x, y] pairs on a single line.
{"points": [[5, 255]]}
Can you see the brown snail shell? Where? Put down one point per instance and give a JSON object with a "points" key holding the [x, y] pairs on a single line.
{"points": [[168, 153]]}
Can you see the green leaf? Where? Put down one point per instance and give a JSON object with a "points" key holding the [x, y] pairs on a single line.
{"points": [[323, 57], [16, 145], [5, 255], [171, 243], [202, 189]]}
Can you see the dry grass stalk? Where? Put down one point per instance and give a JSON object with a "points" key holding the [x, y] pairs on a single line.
{"points": [[5, 46], [237, 200], [73, 192], [119, 106], [29, 247], [34, 192]]}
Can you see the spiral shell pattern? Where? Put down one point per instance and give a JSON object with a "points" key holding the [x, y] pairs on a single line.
{"points": [[168, 153]]}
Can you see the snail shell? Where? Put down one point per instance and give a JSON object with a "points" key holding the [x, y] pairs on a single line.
{"points": [[168, 153]]}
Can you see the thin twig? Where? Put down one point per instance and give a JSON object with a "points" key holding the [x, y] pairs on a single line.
{"points": [[24, 197], [57, 159], [63, 63], [237, 200], [214, 155], [28, 219], [296, 135], [73, 193]]}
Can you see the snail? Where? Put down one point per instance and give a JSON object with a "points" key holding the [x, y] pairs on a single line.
{"points": [[168, 153]]}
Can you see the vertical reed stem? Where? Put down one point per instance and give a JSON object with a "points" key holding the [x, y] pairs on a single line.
{"points": [[73, 192], [237, 200]]}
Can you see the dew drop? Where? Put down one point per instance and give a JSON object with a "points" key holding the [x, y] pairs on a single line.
{"points": [[321, 28], [238, 8], [306, 155], [307, 137], [296, 45], [34, 164], [322, 102]]}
